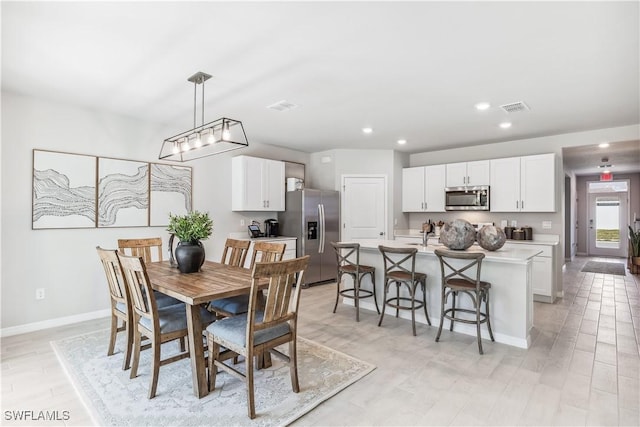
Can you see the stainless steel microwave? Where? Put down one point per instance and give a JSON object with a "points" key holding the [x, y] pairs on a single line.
{"points": [[467, 198]]}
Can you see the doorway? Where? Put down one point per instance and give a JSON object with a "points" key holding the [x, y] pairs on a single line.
{"points": [[608, 218], [364, 207]]}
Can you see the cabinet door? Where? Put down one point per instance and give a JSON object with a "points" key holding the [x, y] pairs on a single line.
{"points": [[246, 184], [537, 183], [413, 189], [273, 185], [456, 174], [541, 276], [478, 172], [505, 185], [435, 177]]}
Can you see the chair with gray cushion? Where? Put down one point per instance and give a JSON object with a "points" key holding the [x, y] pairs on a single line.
{"points": [[400, 269], [159, 324], [261, 330], [348, 262], [120, 303], [457, 268], [262, 251], [150, 250]]}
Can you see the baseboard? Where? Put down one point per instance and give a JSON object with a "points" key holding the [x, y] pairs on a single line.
{"points": [[52, 323]]}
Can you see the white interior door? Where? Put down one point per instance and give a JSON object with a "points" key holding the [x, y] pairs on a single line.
{"points": [[364, 207], [607, 224]]}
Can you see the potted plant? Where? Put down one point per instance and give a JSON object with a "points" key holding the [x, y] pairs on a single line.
{"points": [[634, 249], [190, 229]]}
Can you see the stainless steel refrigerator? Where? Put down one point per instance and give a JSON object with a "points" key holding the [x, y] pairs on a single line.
{"points": [[313, 217]]}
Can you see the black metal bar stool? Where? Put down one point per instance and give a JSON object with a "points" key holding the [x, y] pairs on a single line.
{"points": [[455, 281], [396, 272], [345, 254]]}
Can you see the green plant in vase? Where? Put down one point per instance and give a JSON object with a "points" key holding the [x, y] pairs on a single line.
{"points": [[190, 229]]}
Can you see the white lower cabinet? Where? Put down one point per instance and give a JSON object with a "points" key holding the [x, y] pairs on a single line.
{"points": [[543, 282]]}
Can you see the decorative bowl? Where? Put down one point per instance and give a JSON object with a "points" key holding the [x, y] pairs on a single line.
{"points": [[491, 237], [457, 234]]}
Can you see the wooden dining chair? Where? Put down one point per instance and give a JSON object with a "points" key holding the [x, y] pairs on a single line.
{"points": [[150, 250], [261, 330], [235, 252], [120, 303], [263, 252], [160, 325]]}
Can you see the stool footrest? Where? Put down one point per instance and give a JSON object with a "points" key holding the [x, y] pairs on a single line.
{"points": [[351, 293], [392, 302], [447, 315]]}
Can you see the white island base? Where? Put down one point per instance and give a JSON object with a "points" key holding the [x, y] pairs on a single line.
{"points": [[511, 298]]}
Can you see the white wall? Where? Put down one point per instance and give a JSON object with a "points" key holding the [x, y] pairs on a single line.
{"points": [[64, 261], [327, 168]]}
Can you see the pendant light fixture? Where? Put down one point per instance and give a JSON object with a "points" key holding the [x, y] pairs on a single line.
{"points": [[215, 137]]}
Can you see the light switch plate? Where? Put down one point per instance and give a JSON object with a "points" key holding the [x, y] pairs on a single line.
{"points": [[514, 223], [504, 223], [546, 225]]}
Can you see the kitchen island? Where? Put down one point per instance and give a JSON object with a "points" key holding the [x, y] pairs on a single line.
{"points": [[508, 270]]}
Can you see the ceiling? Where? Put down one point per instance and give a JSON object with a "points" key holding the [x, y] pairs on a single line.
{"points": [[409, 70]]}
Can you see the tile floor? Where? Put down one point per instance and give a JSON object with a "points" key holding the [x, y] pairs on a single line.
{"points": [[583, 367]]}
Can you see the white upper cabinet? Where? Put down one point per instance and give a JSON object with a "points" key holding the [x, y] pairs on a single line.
{"points": [[257, 184], [468, 173], [523, 184], [423, 189]]}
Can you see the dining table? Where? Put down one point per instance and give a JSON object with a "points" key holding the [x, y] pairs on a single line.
{"points": [[213, 281]]}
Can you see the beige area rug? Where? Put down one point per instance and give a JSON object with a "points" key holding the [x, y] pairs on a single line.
{"points": [[114, 399]]}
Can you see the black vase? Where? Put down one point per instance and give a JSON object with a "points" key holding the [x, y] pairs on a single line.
{"points": [[189, 256]]}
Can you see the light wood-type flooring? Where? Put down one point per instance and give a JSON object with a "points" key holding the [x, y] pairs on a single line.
{"points": [[583, 367]]}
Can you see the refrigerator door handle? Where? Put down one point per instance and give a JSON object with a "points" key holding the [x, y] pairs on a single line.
{"points": [[321, 228]]}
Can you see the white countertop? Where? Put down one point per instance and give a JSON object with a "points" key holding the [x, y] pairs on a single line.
{"points": [[539, 239], [501, 255], [245, 236]]}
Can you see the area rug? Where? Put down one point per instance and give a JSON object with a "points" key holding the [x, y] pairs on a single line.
{"points": [[114, 399], [604, 268]]}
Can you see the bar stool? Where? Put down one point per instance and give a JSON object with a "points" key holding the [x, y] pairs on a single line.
{"points": [[345, 254], [396, 272], [455, 281]]}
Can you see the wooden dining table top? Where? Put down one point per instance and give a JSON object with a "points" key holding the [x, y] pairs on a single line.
{"points": [[213, 281]]}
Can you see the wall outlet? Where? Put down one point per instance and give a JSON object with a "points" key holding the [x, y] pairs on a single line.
{"points": [[40, 293], [514, 223], [546, 225], [242, 222], [504, 223]]}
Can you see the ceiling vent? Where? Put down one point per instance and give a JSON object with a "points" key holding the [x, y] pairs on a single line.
{"points": [[515, 107], [282, 106]]}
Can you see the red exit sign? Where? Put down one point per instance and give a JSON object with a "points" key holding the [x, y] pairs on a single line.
{"points": [[606, 176]]}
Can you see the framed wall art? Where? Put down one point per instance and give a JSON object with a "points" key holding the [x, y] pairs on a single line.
{"points": [[64, 190], [123, 193], [170, 192], [82, 191]]}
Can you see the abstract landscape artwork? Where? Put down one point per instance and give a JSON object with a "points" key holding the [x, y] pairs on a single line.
{"points": [[82, 191], [64, 190], [170, 192], [123, 193]]}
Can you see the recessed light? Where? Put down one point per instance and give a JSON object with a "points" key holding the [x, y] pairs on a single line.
{"points": [[603, 145], [505, 125], [367, 130], [402, 141], [481, 106]]}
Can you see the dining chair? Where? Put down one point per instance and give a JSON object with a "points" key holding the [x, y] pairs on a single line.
{"points": [[159, 324], [400, 269], [261, 330], [263, 252], [457, 271], [348, 262], [235, 252], [150, 250], [120, 302]]}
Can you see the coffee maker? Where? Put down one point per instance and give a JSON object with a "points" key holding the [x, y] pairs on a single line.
{"points": [[271, 228]]}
